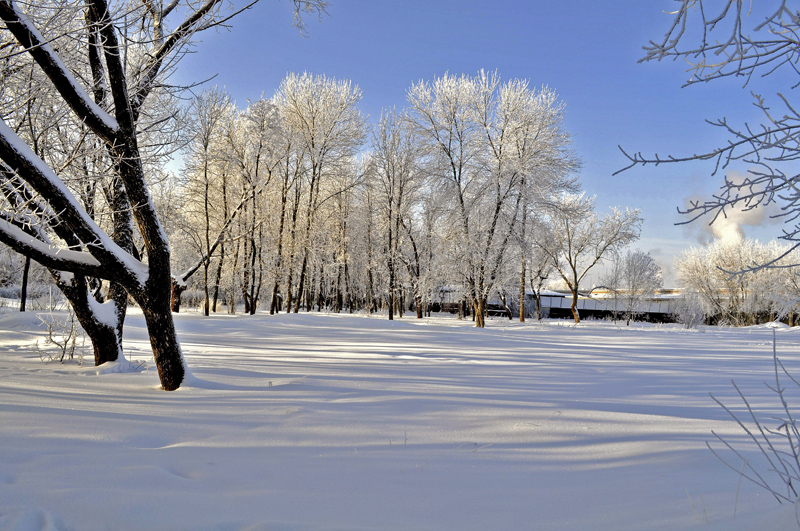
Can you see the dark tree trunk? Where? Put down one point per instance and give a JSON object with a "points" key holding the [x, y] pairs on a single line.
{"points": [[23, 291], [106, 337], [164, 342], [301, 283], [177, 291], [218, 278]]}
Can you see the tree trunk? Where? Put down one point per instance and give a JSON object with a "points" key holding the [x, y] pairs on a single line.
{"points": [[206, 294], [177, 291], [478, 307], [232, 304], [164, 342], [23, 291], [301, 283], [537, 297], [522, 292], [392, 289], [574, 306], [505, 307], [106, 337], [218, 278]]}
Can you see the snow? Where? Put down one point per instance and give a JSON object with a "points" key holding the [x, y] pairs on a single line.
{"points": [[105, 312], [334, 422]]}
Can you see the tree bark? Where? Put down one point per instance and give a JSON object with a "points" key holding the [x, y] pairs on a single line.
{"points": [[522, 292], [574, 307], [478, 306], [23, 291]]}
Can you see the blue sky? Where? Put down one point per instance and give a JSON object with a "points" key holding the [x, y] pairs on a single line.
{"points": [[587, 51]]}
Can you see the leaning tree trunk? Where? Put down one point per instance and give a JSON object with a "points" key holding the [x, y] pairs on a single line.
{"points": [[105, 336]]}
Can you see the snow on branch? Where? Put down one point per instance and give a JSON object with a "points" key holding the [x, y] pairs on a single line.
{"points": [[63, 80], [17, 155], [48, 254]]}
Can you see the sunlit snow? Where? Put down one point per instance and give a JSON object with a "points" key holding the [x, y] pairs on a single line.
{"points": [[333, 422]]}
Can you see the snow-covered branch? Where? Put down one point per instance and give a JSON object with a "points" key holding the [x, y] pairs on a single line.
{"points": [[61, 77]]}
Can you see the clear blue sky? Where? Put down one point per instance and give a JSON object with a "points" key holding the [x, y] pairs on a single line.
{"points": [[586, 50]]}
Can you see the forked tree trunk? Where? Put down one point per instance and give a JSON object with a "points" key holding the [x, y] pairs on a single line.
{"points": [[478, 306], [104, 335]]}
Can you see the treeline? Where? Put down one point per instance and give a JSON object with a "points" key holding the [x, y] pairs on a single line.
{"points": [[296, 202], [739, 282]]}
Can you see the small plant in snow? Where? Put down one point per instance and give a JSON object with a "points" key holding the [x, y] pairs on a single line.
{"points": [[778, 441], [63, 338]]}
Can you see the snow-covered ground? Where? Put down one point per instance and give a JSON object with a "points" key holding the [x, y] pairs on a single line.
{"points": [[332, 422]]}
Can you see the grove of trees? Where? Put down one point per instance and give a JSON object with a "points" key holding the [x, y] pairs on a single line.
{"points": [[292, 202], [452, 194]]}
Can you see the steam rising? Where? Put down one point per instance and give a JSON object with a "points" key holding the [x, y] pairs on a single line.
{"points": [[731, 224]]}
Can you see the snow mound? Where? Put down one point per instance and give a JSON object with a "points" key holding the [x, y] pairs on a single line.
{"points": [[121, 366]]}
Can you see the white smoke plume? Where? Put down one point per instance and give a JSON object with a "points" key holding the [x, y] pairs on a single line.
{"points": [[731, 225]]}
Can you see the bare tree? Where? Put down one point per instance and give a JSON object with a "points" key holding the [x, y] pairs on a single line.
{"points": [[741, 40], [633, 278], [577, 239]]}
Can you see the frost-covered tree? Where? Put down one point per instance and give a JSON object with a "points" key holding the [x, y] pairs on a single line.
{"points": [[324, 116], [540, 268], [485, 139], [634, 278], [576, 239], [102, 63], [206, 174], [714, 273], [396, 158]]}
